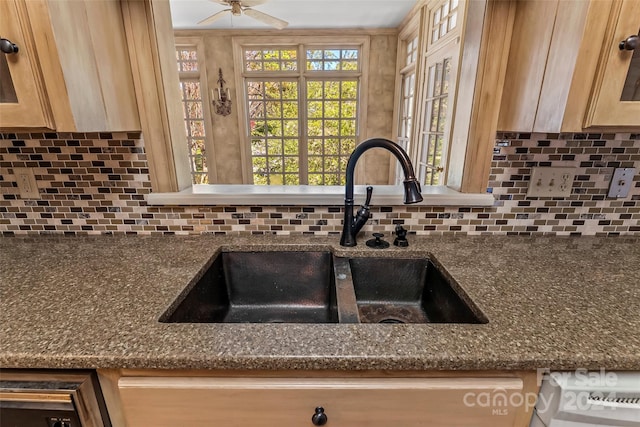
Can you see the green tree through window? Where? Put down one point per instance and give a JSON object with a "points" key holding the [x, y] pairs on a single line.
{"points": [[302, 113]]}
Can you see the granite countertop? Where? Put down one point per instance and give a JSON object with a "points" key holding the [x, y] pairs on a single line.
{"points": [[94, 302]]}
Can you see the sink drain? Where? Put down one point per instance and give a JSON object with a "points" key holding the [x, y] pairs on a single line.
{"points": [[390, 320]]}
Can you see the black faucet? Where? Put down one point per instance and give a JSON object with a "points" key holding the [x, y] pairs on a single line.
{"points": [[352, 225]]}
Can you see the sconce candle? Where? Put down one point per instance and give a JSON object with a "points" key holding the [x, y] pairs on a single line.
{"points": [[222, 103]]}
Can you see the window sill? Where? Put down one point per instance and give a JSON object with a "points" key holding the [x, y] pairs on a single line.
{"points": [[383, 195]]}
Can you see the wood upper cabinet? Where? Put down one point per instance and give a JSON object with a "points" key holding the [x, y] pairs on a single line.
{"points": [[616, 97], [346, 402], [22, 98], [72, 71], [565, 71]]}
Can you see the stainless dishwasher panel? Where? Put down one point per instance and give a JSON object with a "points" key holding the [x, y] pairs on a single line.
{"points": [[51, 399], [588, 399]]}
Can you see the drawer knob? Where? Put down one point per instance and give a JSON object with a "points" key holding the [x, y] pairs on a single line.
{"points": [[319, 418], [7, 47], [630, 43]]}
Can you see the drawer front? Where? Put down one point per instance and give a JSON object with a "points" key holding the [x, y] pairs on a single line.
{"points": [[288, 402]]}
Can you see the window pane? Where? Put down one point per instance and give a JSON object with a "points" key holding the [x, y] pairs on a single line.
{"points": [[257, 60], [289, 90], [350, 65], [273, 109], [349, 89], [332, 109], [442, 120], [274, 147], [315, 147], [332, 90], [314, 90], [435, 114], [349, 109], [291, 147], [194, 110], [259, 146], [437, 81], [291, 128], [332, 59]]}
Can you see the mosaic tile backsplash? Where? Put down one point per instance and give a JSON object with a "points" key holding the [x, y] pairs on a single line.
{"points": [[96, 183]]}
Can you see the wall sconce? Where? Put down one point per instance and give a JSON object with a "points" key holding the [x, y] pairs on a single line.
{"points": [[222, 99]]}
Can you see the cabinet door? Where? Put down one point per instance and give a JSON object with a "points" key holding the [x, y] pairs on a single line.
{"points": [[616, 99], [21, 94], [290, 402]]}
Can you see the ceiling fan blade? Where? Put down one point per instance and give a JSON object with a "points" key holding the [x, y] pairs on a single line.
{"points": [[267, 19], [214, 17], [247, 3], [251, 3]]}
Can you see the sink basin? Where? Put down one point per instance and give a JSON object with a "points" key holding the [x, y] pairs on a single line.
{"points": [[260, 287], [291, 286], [401, 290]]}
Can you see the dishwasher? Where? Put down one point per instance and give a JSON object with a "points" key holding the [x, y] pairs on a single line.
{"points": [[588, 399], [30, 398]]}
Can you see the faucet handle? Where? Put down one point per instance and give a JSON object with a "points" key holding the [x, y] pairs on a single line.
{"points": [[363, 214], [369, 194]]}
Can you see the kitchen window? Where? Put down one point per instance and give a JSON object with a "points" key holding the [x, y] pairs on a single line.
{"points": [[409, 51], [194, 109], [428, 48], [301, 110], [485, 36]]}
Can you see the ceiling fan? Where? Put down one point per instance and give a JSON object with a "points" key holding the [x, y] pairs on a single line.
{"points": [[239, 7]]}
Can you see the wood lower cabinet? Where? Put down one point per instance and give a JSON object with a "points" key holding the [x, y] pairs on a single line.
{"points": [[347, 402]]}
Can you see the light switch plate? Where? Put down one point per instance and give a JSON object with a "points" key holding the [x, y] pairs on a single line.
{"points": [[26, 183], [621, 182], [551, 182]]}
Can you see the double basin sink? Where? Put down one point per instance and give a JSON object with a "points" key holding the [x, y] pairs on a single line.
{"points": [[319, 287]]}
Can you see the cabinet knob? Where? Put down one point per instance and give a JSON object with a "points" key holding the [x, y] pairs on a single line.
{"points": [[7, 47], [630, 43], [319, 418]]}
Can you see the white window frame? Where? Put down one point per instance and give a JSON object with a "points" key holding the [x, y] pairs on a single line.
{"points": [[447, 50], [407, 34], [201, 75], [303, 75], [446, 46], [429, 53]]}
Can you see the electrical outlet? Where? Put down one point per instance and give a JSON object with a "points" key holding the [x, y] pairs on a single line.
{"points": [[26, 183], [621, 182], [551, 182]]}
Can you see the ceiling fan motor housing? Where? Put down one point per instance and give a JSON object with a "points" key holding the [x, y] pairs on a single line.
{"points": [[235, 8]]}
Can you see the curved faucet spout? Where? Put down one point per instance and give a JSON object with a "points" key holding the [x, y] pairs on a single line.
{"points": [[352, 225]]}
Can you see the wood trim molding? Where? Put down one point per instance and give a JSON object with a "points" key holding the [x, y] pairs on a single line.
{"points": [[151, 50], [492, 57], [267, 33], [587, 60]]}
